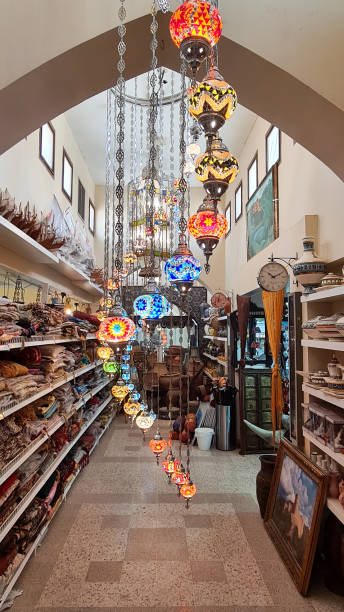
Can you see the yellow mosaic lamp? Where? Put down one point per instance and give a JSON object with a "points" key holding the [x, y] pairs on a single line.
{"points": [[216, 169], [104, 352], [120, 390]]}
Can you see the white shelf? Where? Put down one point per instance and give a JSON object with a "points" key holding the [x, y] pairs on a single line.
{"points": [[40, 341], [78, 277], [15, 407], [45, 528], [334, 294], [336, 401], [224, 318], [336, 508], [13, 239], [222, 339], [210, 356], [12, 519], [338, 457], [328, 345]]}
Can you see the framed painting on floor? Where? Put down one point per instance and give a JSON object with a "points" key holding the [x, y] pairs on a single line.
{"points": [[262, 214], [294, 510]]}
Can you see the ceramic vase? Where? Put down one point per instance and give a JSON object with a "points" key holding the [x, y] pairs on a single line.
{"points": [[263, 481], [309, 269]]}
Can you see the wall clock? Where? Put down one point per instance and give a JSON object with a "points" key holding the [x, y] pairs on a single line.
{"points": [[273, 276], [218, 300]]}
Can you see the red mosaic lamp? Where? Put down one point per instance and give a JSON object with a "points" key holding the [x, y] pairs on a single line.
{"points": [[179, 478], [195, 27], [170, 464], [116, 329], [157, 445], [207, 226], [188, 491]]}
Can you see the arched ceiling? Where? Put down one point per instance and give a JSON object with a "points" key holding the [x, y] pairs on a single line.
{"points": [[304, 38]]}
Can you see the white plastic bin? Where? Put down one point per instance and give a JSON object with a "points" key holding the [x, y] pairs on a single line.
{"points": [[204, 437]]}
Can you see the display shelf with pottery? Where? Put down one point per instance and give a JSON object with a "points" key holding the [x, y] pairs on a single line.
{"points": [[338, 457], [333, 294], [329, 345], [324, 395]]}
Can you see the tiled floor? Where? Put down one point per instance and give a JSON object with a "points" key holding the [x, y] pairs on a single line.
{"points": [[124, 541]]}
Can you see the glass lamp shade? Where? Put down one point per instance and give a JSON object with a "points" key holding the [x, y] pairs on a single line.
{"points": [[131, 387], [111, 367], [157, 445], [195, 27], [135, 395], [125, 358], [182, 269], [179, 477], [129, 347], [126, 376], [113, 283], [132, 408], [207, 224], [101, 315], [151, 306], [120, 391], [212, 102], [170, 465], [116, 329], [188, 490], [107, 302], [104, 352], [216, 169], [130, 258], [145, 421], [125, 367]]}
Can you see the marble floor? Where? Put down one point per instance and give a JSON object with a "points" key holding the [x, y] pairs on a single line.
{"points": [[124, 541]]}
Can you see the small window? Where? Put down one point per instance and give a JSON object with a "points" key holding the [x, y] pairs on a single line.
{"points": [[47, 146], [67, 176], [272, 147], [238, 202], [228, 215], [252, 176], [91, 217], [81, 200]]}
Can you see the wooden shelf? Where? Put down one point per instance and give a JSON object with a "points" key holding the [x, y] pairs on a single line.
{"points": [[328, 345], [40, 341], [209, 375], [335, 507], [222, 339], [335, 294], [336, 401], [338, 457]]}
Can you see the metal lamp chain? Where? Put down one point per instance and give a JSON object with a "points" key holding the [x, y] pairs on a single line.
{"points": [[182, 150], [107, 189], [120, 138], [153, 112]]}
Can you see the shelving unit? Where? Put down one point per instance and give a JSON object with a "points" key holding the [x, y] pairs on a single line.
{"points": [[36, 543], [326, 301], [41, 341], [222, 362]]}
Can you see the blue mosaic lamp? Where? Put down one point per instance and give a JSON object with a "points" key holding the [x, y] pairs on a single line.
{"points": [[182, 269], [151, 305]]}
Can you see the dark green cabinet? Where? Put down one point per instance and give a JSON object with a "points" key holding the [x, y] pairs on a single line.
{"points": [[256, 408]]}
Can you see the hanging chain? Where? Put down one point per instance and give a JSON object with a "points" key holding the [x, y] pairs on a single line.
{"points": [[164, 5], [120, 138], [153, 112], [182, 150], [108, 162]]}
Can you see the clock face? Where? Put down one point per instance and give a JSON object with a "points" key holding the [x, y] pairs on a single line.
{"points": [[218, 300], [273, 276]]}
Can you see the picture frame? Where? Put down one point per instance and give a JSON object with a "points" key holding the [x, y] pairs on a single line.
{"points": [[272, 147], [228, 215], [252, 176], [294, 511], [262, 214], [91, 217], [238, 202], [47, 146], [67, 176]]}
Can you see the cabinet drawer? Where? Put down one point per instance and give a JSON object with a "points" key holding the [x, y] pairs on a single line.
{"points": [[265, 392]]}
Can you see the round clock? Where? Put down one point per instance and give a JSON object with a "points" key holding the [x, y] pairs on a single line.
{"points": [[218, 300], [273, 276]]}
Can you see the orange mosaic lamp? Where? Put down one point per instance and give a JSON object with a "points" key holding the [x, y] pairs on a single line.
{"points": [[188, 491], [211, 102], [107, 302], [216, 169], [195, 27], [113, 284], [179, 477], [157, 445], [207, 226]]}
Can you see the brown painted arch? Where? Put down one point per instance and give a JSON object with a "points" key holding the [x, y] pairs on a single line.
{"points": [[89, 68]]}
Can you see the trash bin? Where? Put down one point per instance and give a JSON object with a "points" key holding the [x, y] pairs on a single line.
{"points": [[226, 419], [204, 437]]}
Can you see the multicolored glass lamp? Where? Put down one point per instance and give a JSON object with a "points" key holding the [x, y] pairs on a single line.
{"points": [[195, 27], [182, 269], [151, 305], [111, 367], [157, 445], [116, 329], [120, 390], [130, 258], [212, 101], [216, 168], [145, 420], [207, 226], [188, 490], [104, 352]]}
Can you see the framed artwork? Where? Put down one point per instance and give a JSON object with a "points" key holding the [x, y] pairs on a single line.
{"points": [[272, 147], [294, 510], [81, 200], [47, 146], [252, 176], [67, 176], [91, 217], [262, 214], [228, 215], [238, 202]]}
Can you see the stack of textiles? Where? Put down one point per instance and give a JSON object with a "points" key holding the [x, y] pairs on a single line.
{"points": [[10, 559], [9, 316], [52, 363], [15, 382], [65, 397], [12, 440], [45, 406]]}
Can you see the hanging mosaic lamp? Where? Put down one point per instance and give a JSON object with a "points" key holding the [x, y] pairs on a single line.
{"points": [[195, 27], [135, 395], [129, 347], [179, 477], [132, 408], [111, 367], [157, 445], [125, 367], [151, 305], [145, 420], [116, 329], [126, 376], [120, 390], [113, 284], [207, 226], [188, 491], [125, 358], [131, 387], [216, 168], [212, 101], [107, 302], [130, 258], [104, 352], [182, 269], [101, 315]]}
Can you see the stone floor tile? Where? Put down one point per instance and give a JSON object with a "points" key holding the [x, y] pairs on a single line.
{"points": [[197, 521], [115, 521], [104, 571], [208, 571]]}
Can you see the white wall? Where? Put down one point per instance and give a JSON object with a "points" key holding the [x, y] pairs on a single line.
{"points": [[28, 179], [306, 187]]}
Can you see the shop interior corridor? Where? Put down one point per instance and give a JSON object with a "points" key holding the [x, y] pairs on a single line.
{"points": [[124, 541]]}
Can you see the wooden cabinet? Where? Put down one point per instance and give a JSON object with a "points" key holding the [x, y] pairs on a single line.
{"points": [[256, 408]]}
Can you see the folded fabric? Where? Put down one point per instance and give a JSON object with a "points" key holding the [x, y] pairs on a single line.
{"points": [[9, 369]]}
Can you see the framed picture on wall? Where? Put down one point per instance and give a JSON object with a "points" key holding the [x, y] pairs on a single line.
{"points": [[262, 214], [272, 147], [47, 146], [228, 215], [294, 511], [67, 176], [91, 217], [238, 202]]}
